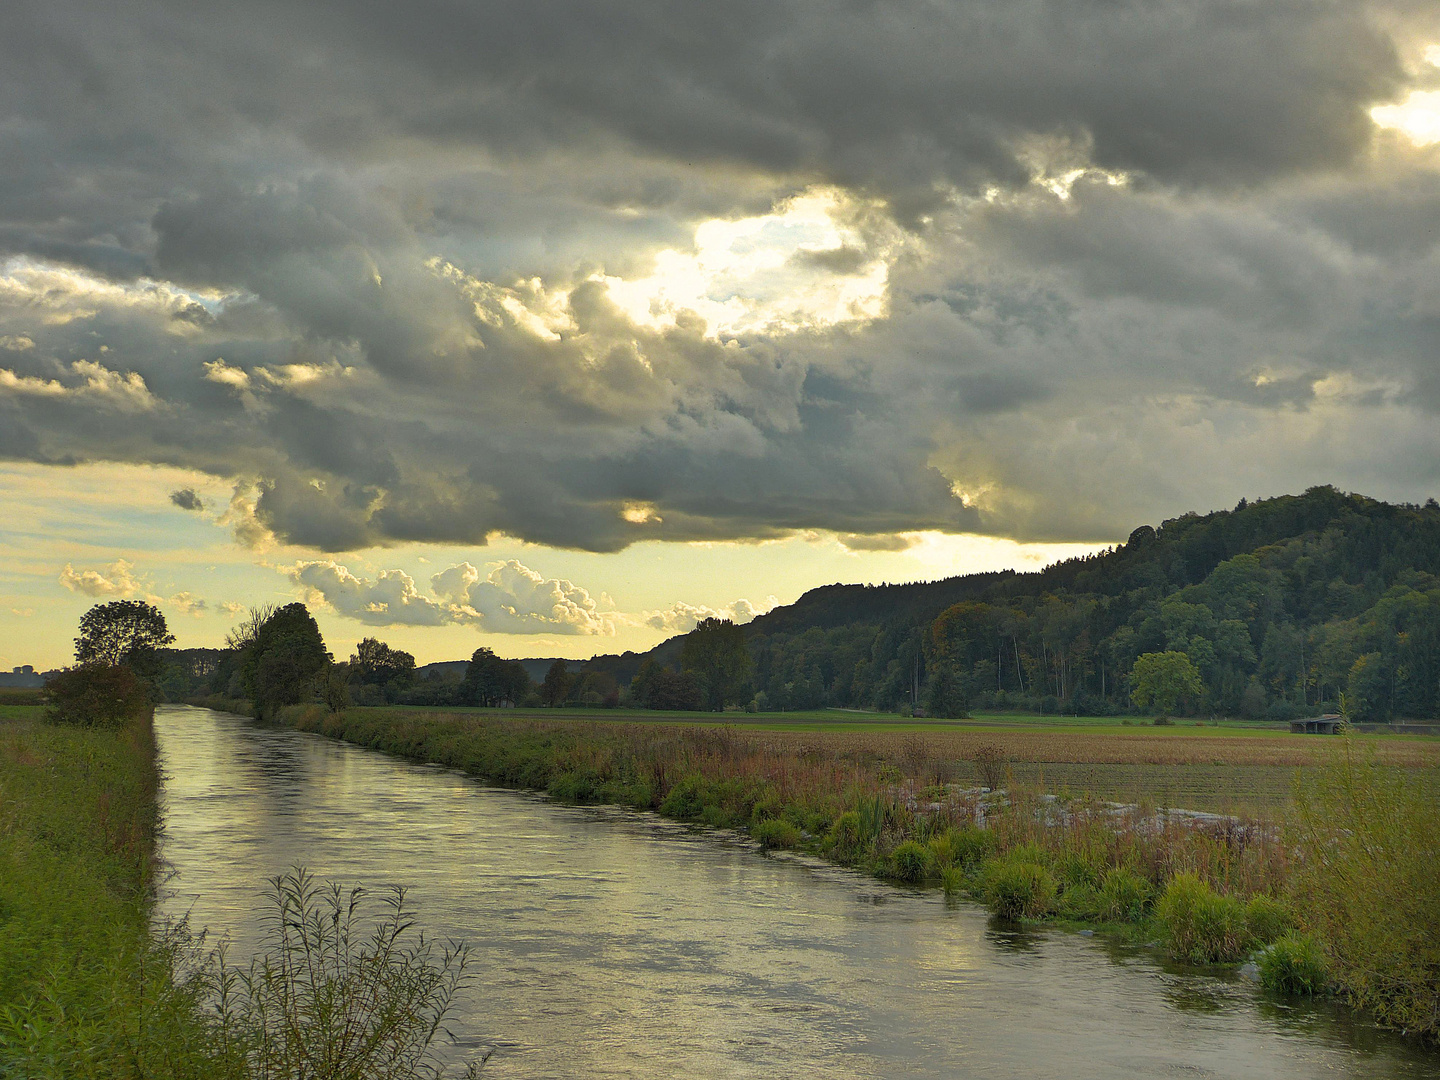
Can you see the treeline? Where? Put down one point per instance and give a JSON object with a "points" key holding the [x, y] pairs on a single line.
{"points": [[1275, 609]]}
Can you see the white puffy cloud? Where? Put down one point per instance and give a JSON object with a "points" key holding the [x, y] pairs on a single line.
{"points": [[189, 604], [514, 599], [681, 618], [116, 580], [390, 600]]}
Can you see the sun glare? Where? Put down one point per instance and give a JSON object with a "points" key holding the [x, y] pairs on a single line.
{"points": [[1417, 117], [799, 267]]}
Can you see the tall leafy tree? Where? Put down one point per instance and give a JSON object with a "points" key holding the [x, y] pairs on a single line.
{"points": [[377, 663], [715, 650], [284, 658], [123, 633]]}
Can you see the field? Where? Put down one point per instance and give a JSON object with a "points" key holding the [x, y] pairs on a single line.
{"points": [[1232, 767]]}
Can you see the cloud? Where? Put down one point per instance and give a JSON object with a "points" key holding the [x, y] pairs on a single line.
{"points": [[513, 599], [186, 499], [877, 541], [596, 274], [681, 618], [115, 580], [390, 600], [189, 604]]}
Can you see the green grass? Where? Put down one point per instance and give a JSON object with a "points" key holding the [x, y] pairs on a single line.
{"points": [[85, 992]]}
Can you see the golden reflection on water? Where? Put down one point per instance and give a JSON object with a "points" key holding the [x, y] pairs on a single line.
{"points": [[612, 944]]}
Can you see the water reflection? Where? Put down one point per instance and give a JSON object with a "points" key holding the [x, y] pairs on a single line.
{"points": [[614, 945]]}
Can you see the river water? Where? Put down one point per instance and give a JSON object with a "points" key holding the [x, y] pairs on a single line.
{"points": [[612, 944]]}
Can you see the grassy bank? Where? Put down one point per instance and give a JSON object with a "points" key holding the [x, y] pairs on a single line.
{"points": [[86, 991], [900, 806]]}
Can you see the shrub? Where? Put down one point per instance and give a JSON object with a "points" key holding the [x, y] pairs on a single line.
{"points": [[1201, 927], [1125, 895], [329, 999], [685, 801], [96, 695], [775, 833], [910, 861], [1018, 890], [1368, 842], [969, 846], [1073, 869], [845, 836], [1266, 919], [990, 760], [952, 879], [1294, 964], [1082, 902]]}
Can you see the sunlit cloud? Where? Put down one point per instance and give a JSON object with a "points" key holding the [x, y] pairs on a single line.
{"points": [[800, 266], [1417, 117], [116, 580]]}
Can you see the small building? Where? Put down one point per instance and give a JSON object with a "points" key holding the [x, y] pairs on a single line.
{"points": [[1329, 724]]}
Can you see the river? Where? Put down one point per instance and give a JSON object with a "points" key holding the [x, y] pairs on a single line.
{"points": [[613, 944]]}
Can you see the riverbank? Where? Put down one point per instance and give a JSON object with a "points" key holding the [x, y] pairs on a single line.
{"points": [[1210, 887], [86, 991]]}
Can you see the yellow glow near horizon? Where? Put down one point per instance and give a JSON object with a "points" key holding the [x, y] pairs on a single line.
{"points": [[795, 268], [1417, 117]]}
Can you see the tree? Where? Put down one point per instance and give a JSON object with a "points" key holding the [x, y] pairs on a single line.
{"points": [[490, 681], [716, 651], [123, 633], [377, 663], [555, 690], [1163, 679], [284, 659]]}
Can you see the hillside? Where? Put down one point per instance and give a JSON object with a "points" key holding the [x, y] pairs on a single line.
{"points": [[1280, 606]]}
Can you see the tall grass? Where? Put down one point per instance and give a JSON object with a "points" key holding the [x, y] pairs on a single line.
{"points": [[1367, 880], [87, 992]]}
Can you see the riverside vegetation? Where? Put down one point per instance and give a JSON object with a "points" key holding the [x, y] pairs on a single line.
{"points": [[1340, 895], [88, 990]]}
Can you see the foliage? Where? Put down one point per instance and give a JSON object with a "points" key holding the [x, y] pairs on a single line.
{"points": [[123, 633], [1366, 883], [990, 760], [85, 992], [910, 861], [1266, 919], [282, 659], [1163, 680], [1125, 896], [1279, 606], [331, 999], [490, 681], [1294, 964], [1016, 888], [555, 690], [657, 687], [97, 695], [1201, 926], [376, 663], [775, 833], [715, 650]]}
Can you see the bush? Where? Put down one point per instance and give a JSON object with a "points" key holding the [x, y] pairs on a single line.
{"points": [[910, 862], [775, 833], [685, 801], [329, 999], [990, 760], [952, 879], [1125, 895], [846, 837], [1294, 964], [1266, 919], [1201, 927], [97, 695], [1083, 902], [1368, 842], [1018, 890], [969, 846]]}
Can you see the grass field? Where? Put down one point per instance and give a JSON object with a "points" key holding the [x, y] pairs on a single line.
{"points": [[1235, 767]]}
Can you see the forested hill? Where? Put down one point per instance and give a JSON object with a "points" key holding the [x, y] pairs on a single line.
{"points": [[1277, 606]]}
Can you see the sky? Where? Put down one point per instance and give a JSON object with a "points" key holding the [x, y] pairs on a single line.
{"points": [[554, 327]]}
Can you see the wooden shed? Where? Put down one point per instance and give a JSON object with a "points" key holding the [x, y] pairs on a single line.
{"points": [[1329, 724]]}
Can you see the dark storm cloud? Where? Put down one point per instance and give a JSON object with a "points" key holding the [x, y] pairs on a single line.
{"points": [[187, 499], [354, 257]]}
